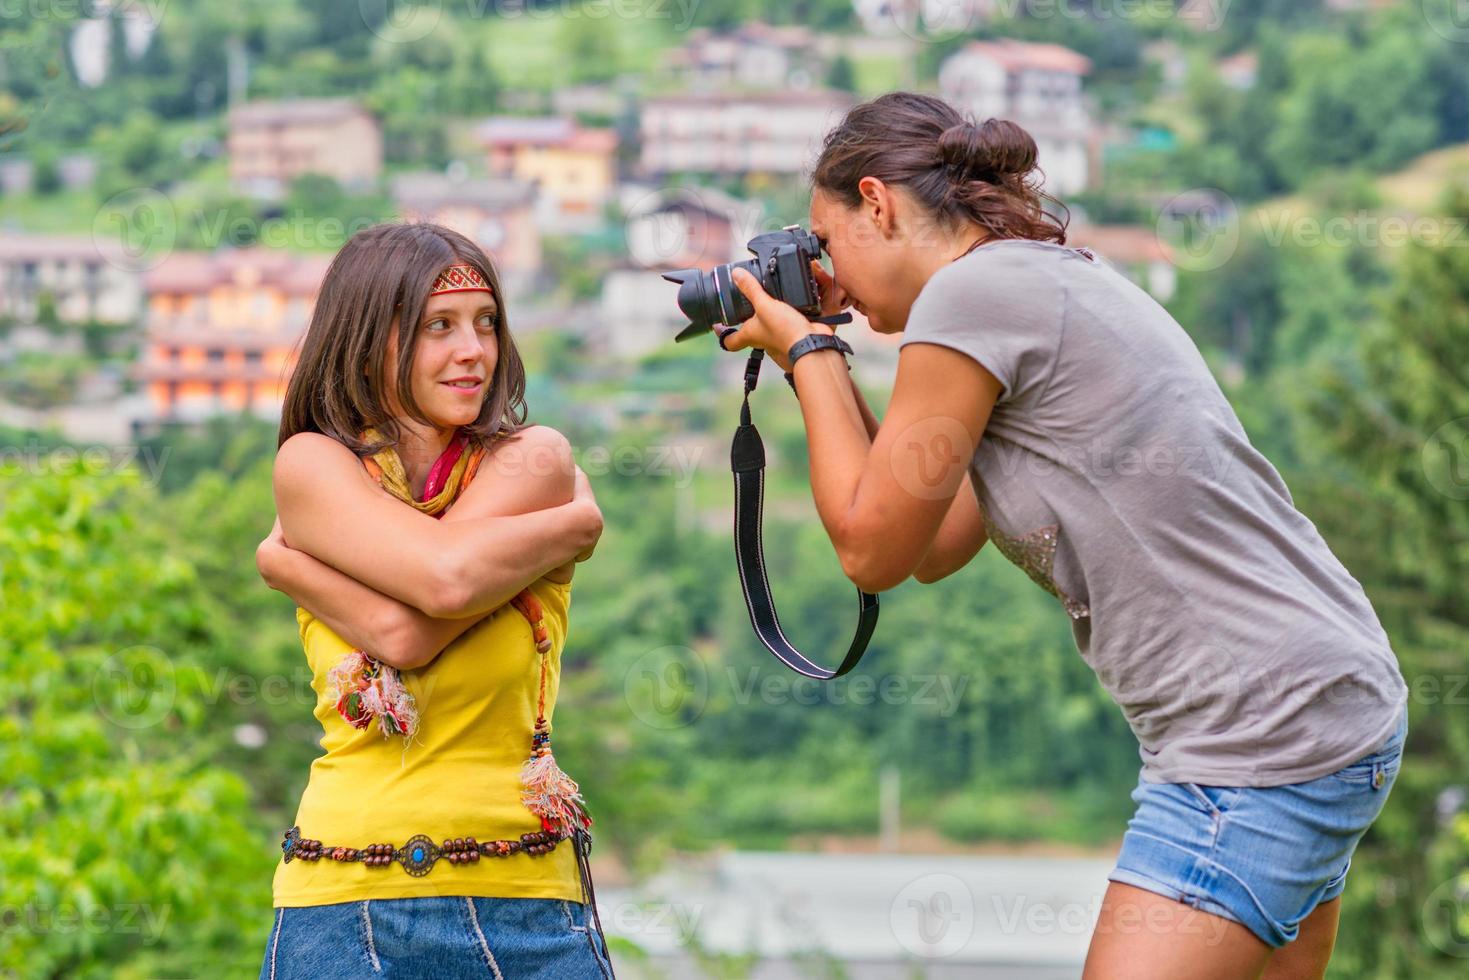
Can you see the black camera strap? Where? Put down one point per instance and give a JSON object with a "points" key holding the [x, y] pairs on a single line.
{"points": [[747, 460]]}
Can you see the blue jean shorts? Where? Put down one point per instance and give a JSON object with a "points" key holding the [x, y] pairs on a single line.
{"points": [[436, 938], [1262, 856]]}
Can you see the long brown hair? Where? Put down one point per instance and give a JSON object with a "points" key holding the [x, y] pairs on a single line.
{"points": [[958, 170], [384, 269]]}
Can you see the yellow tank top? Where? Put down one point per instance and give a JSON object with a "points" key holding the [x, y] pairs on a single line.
{"points": [[458, 777]]}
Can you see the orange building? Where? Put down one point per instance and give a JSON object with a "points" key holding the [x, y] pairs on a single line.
{"points": [[222, 328]]}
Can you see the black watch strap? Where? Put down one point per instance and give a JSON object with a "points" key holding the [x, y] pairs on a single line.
{"points": [[809, 343], [816, 341]]}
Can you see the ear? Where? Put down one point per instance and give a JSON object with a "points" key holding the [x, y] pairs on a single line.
{"points": [[877, 202]]}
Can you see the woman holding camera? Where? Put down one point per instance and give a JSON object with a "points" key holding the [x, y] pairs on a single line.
{"points": [[429, 537], [1045, 403]]}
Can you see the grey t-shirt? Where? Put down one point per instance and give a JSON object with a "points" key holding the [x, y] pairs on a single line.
{"points": [[1116, 474]]}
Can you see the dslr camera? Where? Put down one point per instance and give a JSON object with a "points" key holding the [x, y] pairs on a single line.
{"points": [[782, 263]]}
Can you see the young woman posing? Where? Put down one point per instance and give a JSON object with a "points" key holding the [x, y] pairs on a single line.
{"points": [[1045, 403], [428, 537]]}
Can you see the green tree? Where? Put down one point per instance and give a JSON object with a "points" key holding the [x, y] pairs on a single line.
{"points": [[1387, 434], [124, 852], [841, 74]]}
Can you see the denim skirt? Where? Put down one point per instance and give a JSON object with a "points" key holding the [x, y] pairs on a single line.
{"points": [[1262, 856], [436, 938]]}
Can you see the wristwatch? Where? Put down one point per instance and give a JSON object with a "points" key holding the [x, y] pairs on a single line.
{"points": [[809, 343]]}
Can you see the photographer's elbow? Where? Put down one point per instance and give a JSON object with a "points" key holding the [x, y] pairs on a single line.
{"points": [[867, 575]]}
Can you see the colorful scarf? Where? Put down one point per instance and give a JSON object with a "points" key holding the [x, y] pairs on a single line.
{"points": [[367, 689]]}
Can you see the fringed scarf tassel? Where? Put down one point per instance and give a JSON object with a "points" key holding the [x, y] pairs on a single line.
{"points": [[548, 792], [366, 689]]}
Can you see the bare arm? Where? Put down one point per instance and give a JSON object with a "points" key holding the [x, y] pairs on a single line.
{"points": [[390, 630], [528, 473], [960, 536], [447, 569]]}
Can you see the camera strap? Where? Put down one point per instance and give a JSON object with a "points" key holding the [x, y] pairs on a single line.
{"points": [[747, 460]]}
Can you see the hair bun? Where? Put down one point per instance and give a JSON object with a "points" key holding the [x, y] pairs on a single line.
{"points": [[996, 148]]}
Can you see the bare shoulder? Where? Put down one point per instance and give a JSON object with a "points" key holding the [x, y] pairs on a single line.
{"points": [[541, 438], [537, 451], [528, 471], [307, 458]]}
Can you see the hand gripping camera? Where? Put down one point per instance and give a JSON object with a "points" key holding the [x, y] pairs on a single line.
{"points": [[782, 263]]}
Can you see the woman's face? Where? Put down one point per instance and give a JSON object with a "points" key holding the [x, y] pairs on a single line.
{"points": [[870, 266], [456, 343]]}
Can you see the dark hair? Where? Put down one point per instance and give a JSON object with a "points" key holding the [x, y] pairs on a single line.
{"points": [[960, 171], [384, 269]]}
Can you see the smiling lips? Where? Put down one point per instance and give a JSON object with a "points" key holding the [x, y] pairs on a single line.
{"points": [[467, 385]]}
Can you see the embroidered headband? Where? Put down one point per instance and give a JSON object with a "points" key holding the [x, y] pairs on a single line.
{"points": [[458, 279]]}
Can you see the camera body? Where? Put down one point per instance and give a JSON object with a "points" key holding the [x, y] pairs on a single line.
{"points": [[782, 263]]}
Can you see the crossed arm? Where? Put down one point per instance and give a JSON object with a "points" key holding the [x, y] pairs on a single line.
{"points": [[413, 584]]}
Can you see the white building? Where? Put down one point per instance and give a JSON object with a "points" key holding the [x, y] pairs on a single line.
{"points": [[497, 212], [754, 56], [675, 228], [83, 278], [727, 133], [1038, 86]]}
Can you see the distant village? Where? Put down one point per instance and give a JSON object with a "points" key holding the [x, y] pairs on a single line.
{"points": [[217, 330]]}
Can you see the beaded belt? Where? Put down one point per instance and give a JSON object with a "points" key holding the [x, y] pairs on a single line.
{"points": [[420, 853]]}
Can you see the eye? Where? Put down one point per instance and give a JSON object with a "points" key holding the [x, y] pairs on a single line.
{"points": [[487, 320], [439, 322]]}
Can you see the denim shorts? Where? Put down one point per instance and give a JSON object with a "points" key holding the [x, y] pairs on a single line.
{"points": [[1262, 856], [436, 938]]}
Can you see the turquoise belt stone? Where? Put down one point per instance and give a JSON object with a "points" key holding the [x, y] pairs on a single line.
{"points": [[419, 854]]}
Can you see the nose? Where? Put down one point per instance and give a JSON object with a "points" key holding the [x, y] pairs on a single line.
{"points": [[468, 346], [843, 298]]}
